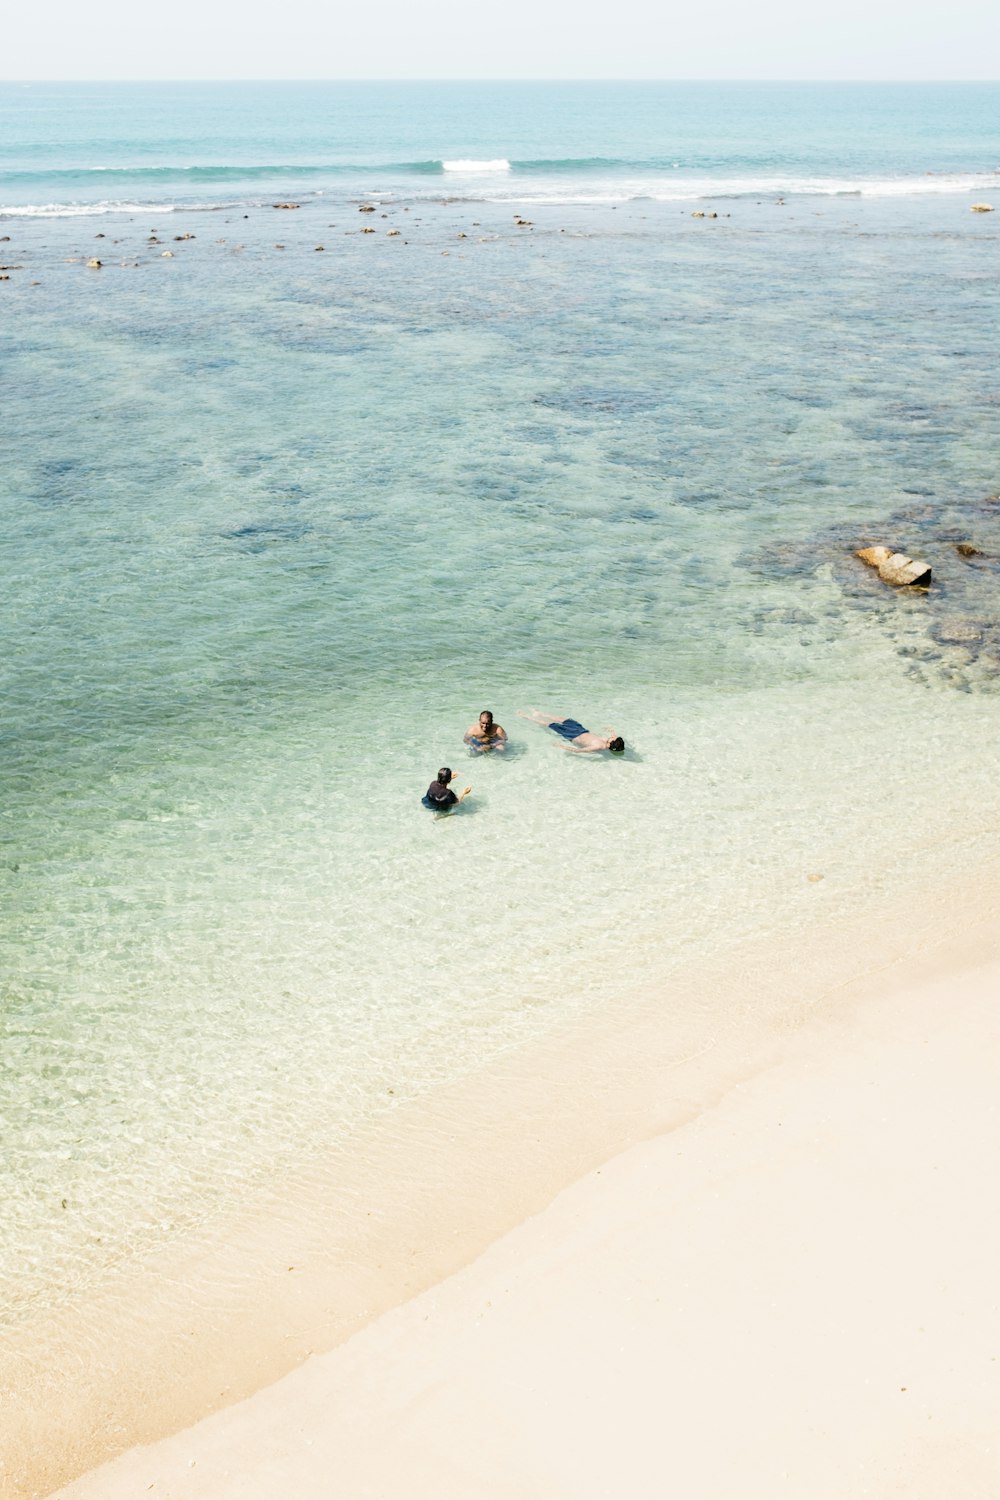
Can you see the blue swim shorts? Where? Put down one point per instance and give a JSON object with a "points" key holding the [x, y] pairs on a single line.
{"points": [[568, 728]]}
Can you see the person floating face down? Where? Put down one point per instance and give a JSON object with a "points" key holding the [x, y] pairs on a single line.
{"points": [[439, 796], [579, 741], [486, 735]]}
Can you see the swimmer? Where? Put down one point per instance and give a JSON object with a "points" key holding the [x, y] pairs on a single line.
{"points": [[439, 796], [486, 735], [580, 741]]}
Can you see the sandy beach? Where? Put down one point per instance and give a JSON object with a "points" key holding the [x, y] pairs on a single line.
{"points": [[792, 1292]]}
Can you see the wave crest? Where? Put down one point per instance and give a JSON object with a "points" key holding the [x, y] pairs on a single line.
{"points": [[470, 164]]}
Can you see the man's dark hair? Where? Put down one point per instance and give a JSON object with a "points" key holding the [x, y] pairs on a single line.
{"points": [[444, 775], [617, 746]]}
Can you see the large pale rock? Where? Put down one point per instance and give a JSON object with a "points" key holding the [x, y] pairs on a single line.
{"points": [[874, 556], [981, 208], [895, 567], [903, 571]]}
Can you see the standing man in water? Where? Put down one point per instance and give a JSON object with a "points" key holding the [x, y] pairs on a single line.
{"points": [[580, 741], [439, 796], [486, 735]]}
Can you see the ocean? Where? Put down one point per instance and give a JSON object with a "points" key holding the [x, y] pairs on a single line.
{"points": [[578, 396]]}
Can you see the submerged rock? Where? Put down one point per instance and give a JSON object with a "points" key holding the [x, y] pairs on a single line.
{"points": [[958, 632], [967, 549], [981, 208]]}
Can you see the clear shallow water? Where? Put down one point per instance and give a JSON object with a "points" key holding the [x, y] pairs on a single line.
{"points": [[280, 522]]}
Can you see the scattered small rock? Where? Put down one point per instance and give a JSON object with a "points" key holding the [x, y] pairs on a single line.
{"points": [[166, 255], [697, 213], [320, 247], [391, 232], [366, 208], [94, 264], [285, 205], [981, 208], [966, 549], [368, 229]]}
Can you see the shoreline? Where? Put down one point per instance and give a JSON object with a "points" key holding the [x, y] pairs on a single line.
{"points": [[783, 1293], [501, 1147]]}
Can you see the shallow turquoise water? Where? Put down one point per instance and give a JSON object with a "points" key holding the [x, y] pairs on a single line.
{"points": [[280, 522]]}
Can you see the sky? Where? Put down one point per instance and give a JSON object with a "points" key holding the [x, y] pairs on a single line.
{"points": [[770, 39]]}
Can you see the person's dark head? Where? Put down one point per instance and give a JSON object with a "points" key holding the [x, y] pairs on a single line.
{"points": [[486, 720], [444, 775], [617, 746]]}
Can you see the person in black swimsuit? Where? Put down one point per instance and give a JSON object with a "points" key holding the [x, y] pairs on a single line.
{"points": [[439, 796]]}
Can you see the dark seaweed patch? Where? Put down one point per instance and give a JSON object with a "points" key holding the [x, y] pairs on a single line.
{"points": [[590, 399], [267, 531]]}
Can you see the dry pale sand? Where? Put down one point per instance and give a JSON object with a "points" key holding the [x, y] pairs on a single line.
{"points": [[795, 1293]]}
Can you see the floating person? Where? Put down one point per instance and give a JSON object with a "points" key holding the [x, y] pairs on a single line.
{"points": [[439, 796], [579, 740], [486, 735]]}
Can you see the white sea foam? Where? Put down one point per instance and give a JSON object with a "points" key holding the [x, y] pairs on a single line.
{"points": [[79, 210], [607, 189], [499, 164]]}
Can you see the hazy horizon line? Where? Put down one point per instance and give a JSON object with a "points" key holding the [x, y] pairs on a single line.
{"points": [[474, 78]]}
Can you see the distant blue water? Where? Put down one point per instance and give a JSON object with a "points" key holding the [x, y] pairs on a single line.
{"points": [[289, 495], [69, 145]]}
